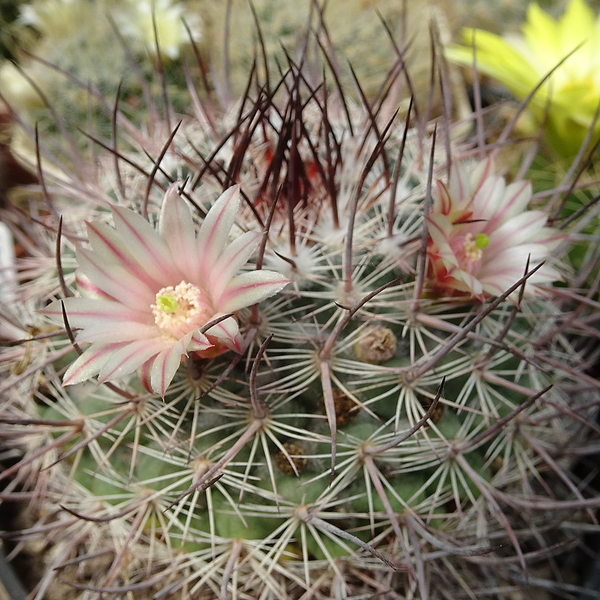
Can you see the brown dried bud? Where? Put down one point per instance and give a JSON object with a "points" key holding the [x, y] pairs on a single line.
{"points": [[345, 408], [295, 455], [376, 345]]}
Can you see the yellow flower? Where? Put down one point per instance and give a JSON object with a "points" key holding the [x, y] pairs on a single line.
{"points": [[138, 19], [572, 92]]}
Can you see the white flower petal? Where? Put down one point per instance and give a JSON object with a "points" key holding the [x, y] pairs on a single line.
{"points": [[233, 258], [114, 281], [176, 226], [150, 249], [82, 312], [471, 283], [488, 199], [214, 232], [443, 198], [89, 363], [458, 186], [88, 290], [513, 259], [439, 228], [130, 357], [165, 365], [249, 288], [479, 174], [110, 248], [519, 230], [199, 341], [516, 199], [106, 332], [228, 333]]}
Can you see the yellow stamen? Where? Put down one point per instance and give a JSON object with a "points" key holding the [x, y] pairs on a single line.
{"points": [[471, 251], [181, 309]]}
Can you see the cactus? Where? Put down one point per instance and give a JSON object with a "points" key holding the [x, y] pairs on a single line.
{"points": [[395, 417]]}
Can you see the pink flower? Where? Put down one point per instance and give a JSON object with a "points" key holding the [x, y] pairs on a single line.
{"points": [[159, 288], [481, 236]]}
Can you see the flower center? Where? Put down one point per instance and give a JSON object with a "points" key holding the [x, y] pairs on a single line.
{"points": [[473, 246], [471, 250], [181, 309]]}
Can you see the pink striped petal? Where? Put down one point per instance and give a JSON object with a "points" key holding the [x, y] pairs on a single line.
{"points": [[83, 311], [249, 288], [513, 259], [112, 249], [199, 341], [500, 282], [88, 289], [113, 280], [89, 363], [488, 199], [214, 233], [145, 373], [130, 357], [235, 343], [519, 230], [228, 333], [458, 190], [503, 282], [481, 172], [176, 225], [517, 197], [105, 332], [471, 283], [165, 365], [443, 199], [515, 201], [439, 228], [144, 242], [233, 258]]}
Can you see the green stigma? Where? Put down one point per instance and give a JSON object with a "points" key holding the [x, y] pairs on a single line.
{"points": [[167, 303], [481, 241]]}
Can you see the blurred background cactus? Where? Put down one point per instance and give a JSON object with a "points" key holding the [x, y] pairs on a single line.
{"points": [[402, 420]]}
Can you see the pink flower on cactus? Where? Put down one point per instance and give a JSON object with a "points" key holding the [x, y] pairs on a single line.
{"points": [[481, 235], [158, 289]]}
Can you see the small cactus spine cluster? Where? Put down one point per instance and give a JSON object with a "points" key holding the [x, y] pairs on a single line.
{"points": [[376, 436]]}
